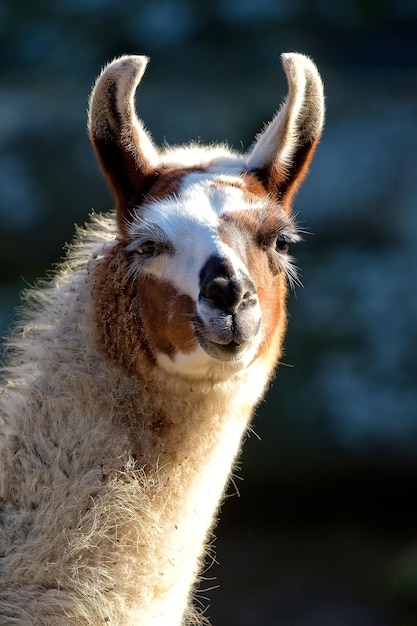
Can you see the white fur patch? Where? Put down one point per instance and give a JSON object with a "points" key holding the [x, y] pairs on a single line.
{"points": [[190, 223]]}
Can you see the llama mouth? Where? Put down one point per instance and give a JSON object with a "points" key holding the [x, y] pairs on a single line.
{"points": [[221, 349]]}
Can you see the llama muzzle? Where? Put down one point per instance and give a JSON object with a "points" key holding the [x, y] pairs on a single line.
{"points": [[228, 313]]}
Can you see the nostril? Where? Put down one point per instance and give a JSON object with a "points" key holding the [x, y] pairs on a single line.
{"points": [[228, 294], [222, 292], [249, 298]]}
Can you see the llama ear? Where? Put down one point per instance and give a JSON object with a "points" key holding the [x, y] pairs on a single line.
{"points": [[282, 153], [124, 149]]}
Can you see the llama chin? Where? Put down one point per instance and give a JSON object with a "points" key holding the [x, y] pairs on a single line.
{"points": [[134, 373]]}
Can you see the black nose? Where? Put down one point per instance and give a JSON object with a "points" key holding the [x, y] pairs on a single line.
{"points": [[223, 289]]}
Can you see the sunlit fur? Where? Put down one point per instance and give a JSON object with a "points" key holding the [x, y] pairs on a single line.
{"points": [[124, 403]]}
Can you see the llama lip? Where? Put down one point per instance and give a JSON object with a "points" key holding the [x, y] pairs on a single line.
{"points": [[221, 351], [222, 348]]}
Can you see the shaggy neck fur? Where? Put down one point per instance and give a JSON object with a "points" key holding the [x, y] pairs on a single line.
{"points": [[117, 462], [133, 376]]}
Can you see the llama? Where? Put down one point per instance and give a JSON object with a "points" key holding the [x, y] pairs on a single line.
{"points": [[133, 376]]}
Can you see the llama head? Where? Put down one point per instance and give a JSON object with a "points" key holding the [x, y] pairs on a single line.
{"points": [[197, 279]]}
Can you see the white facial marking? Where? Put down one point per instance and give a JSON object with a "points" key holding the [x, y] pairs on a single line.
{"points": [[189, 223]]}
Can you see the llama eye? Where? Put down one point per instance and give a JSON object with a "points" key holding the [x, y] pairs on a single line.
{"points": [[148, 248], [282, 244]]}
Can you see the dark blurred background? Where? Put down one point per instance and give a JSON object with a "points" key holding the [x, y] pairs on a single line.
{"points": [[324, 533]]}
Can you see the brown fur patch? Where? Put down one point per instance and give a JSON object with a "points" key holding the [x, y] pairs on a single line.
{"points": [[272, 295], [169, 182], [156, 186], [246, 231], [251, 186], [137, 320], [167, 316]]}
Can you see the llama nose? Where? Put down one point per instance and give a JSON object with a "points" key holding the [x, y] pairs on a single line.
{"points": [[229, 293]]}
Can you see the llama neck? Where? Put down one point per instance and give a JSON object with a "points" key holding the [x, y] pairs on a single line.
{"points": [[187, 449], [129, 470], [127, 482], [184, 439], [183, 434]]}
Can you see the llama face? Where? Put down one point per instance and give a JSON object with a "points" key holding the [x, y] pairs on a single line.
{"points": [[214, 243], [197, 281]]}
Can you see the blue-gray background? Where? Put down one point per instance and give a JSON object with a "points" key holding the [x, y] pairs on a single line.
{"points": [[324, 532]]}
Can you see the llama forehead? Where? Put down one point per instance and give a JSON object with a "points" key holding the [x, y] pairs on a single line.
{"points": [[224, 191], [183, 199], [191, 208]]}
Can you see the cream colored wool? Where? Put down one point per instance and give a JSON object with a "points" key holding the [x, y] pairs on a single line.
{"points": [[110, 480]]}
